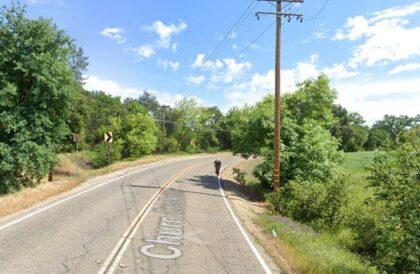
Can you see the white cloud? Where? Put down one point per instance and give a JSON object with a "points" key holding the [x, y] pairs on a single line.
{"points": [[387, 36], [405, 67], [224, 70], [111, 87], [232, 70], [356, 27], [373, 98], [320, 34], [259, 85], [196, 80], [200, 62], [254, 46], [338, 71], [115, 34], [167, 64], [145, 51], [165, 33], [400, 11]]}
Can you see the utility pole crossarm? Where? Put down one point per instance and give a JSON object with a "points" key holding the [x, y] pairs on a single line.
{"points": [[287, 15]]}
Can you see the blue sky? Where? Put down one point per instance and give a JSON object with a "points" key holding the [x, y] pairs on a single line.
{"points": [[370, 49]]}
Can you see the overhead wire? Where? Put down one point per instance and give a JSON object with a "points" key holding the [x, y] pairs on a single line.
{"points": [[288, 5], [321, 10], [220, 46], [239, 22]]}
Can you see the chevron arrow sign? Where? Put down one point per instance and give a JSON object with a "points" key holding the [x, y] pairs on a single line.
{"points": [[108, 137]]}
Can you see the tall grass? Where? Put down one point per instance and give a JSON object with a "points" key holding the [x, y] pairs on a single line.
{"points": [[311, 252]]}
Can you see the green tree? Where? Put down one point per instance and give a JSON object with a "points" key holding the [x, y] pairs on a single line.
{"points": [[149, 101], [253, 128], [308, 150], [136, 130], [378, 138], [349, 129], [187, 115], [313, 100], [101, 108], [207, 138], [38, 69], [394, 125]]}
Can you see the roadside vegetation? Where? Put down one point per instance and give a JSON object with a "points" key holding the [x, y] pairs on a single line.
{"points": [[43, 103], [364, 202], [358, 212]]}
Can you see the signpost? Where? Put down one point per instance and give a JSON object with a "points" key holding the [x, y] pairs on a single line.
{"points": [[76, 139], [108, 140]]}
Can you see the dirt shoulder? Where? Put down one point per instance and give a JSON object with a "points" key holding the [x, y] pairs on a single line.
{"points": [[248, 212]]}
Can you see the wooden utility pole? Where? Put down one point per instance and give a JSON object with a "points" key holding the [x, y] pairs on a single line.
{"points": [[277, 93], [164, 107]]}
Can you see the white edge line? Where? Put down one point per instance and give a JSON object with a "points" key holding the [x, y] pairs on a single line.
{"points": [[146, 167], [251, 245]]}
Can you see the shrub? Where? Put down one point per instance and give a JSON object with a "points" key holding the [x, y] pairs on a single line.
{"points": [[239, 176], [264, 172], [386, 227], [99, 155], [311, 202]]}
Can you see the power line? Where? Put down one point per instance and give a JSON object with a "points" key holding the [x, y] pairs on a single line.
{"points": [[318, 13], [255, 40], [238, 54], [223, 42], [288, 5]]}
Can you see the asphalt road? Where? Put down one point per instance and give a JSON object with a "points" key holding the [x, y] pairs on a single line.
{"points": [[132, 224]]}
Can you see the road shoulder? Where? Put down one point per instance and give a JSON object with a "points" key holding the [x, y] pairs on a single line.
{"points": [[248, 212]]}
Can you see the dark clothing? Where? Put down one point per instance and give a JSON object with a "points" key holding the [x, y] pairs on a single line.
{"points": [[217, 165]]}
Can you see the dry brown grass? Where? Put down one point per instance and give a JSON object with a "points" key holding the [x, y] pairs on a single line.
{"points": [[65, 179]]}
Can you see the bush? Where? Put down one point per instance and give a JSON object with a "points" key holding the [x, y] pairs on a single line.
{"points": [[99, 155], [239, 176], [386, 227], [264, 172], [311, 202]]}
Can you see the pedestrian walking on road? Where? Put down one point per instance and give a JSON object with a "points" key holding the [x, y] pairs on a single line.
{"points": [[217, 165]]}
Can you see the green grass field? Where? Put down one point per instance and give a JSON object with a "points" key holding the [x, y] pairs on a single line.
{"points": [[355, 168]]}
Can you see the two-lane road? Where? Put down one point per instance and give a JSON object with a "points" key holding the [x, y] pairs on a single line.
{"points": [[130, 224]]}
